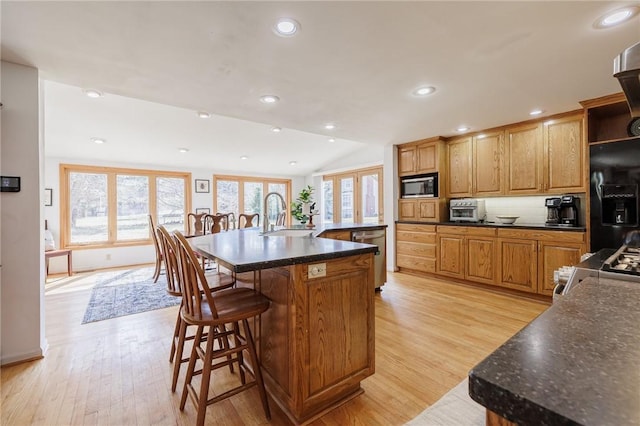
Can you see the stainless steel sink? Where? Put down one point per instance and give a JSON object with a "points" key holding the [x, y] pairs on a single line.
{"points": [[289, 233]]}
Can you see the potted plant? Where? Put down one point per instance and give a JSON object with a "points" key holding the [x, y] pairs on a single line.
{"points": [[304, 197]]}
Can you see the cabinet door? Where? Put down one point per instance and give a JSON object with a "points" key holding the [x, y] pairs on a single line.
{"points": [[406, 161], [564, 159], [481, 260], [551, 257], [337, 235], [407, 210], [427, 158], [524, 159], [488, 164], [518, 264], [428, 210], [450, 252], [459, 168]]}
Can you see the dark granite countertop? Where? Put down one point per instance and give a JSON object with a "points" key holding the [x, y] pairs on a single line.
{"points": [[504, 225], [578, 363], [247, 250]]}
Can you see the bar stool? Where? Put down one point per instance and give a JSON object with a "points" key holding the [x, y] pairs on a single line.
{"points": [[215, 311]]}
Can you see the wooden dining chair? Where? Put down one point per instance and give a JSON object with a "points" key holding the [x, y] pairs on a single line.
{"points": [[214, 223], [219, 314], [195, 223], [229, 221], [246, 220], [156, 246], [214, 282], [281, 219]]}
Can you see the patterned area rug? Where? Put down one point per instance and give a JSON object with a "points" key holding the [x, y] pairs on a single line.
{"points": [[120, 293]]}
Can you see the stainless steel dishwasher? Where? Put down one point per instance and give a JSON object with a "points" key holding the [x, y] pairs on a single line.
{"points": [[376, 237]]}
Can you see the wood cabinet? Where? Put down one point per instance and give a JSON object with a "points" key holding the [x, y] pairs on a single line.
{"points": [[488, 164], [459, 164], [523, 159], [416, 247], [607, 118], [420, 157], [467, 253], [565, 152], [337, 235], [529, 258], [422, 209]]}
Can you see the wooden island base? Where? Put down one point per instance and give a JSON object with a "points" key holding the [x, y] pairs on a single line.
{"points": [[316, 341]]}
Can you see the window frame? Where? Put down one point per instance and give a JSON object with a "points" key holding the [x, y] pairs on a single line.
{"points": [[111, 173], [356, 175], [254, 179]]}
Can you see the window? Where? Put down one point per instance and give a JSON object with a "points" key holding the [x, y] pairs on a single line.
{"points": [[104, 206], [359, 199], [245, 194]]}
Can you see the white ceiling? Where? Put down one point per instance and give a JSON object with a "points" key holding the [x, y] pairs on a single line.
{"points": [[352, 63]]}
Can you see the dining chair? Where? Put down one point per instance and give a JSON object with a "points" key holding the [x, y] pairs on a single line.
{"points": [[248, 220], [229, 221], [159, 257], [214, 282], [212, 312], [281, 219], [195, 223], [214, 223]]}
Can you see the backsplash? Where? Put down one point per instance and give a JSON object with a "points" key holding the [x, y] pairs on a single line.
{"points": [[531, 210]]}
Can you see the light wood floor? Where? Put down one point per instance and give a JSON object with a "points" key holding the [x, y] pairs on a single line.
{"points": [[429, 334]]}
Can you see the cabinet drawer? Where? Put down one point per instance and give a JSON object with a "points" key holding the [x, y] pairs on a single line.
{"points": [[554, 236], [478, 231], [416, 237], [415, 249], [415, 228], [416, 263]]}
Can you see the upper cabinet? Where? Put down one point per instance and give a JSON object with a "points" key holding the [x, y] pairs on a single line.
{"points": [[523, 170], [488, 164], [421, 157], [459, 164], [564, 162]]}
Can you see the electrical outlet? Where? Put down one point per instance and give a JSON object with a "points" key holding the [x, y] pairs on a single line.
{"points": [[317, 270]]}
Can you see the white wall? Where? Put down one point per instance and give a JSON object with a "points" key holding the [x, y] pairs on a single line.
{"points": [[21, 227], [91, 259]]}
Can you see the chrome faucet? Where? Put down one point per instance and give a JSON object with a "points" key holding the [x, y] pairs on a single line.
{"points": [[265, 222]]}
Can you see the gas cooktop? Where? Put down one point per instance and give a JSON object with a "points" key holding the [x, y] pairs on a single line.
{"points": [[626, 260]]}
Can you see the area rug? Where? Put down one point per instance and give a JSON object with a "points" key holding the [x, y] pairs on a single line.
{"points": [[454, 408], [120, 293]]}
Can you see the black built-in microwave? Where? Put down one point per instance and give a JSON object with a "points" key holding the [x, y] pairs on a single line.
{"points": [[419, 186]]}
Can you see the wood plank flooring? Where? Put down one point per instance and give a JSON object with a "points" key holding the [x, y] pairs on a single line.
{"points": [[429, 334]]}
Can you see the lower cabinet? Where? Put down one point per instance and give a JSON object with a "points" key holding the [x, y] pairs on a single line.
{"points": [[518, 264], [416, 247], [551, 256], [337, 235], [422, 209], [467, 253]]}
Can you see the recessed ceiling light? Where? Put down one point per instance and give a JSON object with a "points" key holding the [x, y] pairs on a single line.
{"points": [[293, 163], [244, 157], [286, 27], [183, 150], [203, 114], [329, 126], [424, 91], [99, 141], [92, 93], [332, 140], [536, 112], [269, 99], [462, 129], [276, 129], [616, 17]]}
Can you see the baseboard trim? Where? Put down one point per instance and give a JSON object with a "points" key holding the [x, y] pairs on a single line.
{"points": [[8, 361]]}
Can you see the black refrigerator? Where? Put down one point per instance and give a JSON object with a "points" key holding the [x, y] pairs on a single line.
{"points": [[614, 172]]}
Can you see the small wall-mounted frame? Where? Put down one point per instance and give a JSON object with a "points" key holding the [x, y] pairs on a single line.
{"points": [[201, 210], [202, 185], [48, 197]]}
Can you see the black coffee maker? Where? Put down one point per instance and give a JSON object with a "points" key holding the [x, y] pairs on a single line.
{"points": [[553, 210], [569, 210]]}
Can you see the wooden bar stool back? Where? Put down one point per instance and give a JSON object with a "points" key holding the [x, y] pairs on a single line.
{"points": [[213, 312], [156, 245], [174, 288], [246, 220]]}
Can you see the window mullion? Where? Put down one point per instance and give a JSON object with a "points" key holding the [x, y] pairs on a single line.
{"points": [[112, 215]]}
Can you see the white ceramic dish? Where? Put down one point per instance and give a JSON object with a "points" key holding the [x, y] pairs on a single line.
{"points": [[507, 220]]}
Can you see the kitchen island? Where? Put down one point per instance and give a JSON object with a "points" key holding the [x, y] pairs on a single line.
{"points": [[316, 340], [576, 364]]}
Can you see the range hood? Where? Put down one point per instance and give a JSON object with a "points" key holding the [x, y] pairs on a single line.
{"points": [[626, 68]]}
